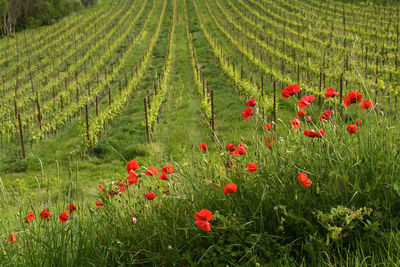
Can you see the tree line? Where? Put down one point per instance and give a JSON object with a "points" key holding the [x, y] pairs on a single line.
{"points": [[16, 15]]}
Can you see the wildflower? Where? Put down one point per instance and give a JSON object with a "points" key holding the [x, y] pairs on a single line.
{"points": [[320, 133], [325, 115], [248, 112], [71, 208], [290, 90], [351, 98], [307, 118], [150, 195], [240, 150], [63, 216], [204, 225], [122, 188], [134, 220], [99, 204], [366, 104], [203, 146], [311, 133], [252, 167], [268, 126], [301, 113], [45, 214], [133, 178], [163, 176], [30, 217], [352, 128], [132, 165], [230, 147], [230, 188], [296, 122], [269, 146], [152, 171], [204, 214], [270, 139], [358, 122], [303, 179], [202, 219], [12, 237], [305, 101], [168, 169], [101, 187], [330, 93], [251, 102]]}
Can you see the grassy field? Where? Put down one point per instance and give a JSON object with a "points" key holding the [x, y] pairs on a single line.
{"points": [[344, 213]]}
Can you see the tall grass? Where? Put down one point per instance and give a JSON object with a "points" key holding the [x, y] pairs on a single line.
{"points": [[347, 216]]}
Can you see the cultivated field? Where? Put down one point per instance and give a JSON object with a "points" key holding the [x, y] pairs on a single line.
{"points": [[203, 132]]}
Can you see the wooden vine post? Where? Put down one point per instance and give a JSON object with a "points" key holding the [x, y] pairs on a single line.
{"points": [[274, 112], [212, 113], [21, 135], [341, 92], [87, 126], [147, 121]]}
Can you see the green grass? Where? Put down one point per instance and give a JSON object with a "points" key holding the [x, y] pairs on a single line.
{"points": [[348, 216]]}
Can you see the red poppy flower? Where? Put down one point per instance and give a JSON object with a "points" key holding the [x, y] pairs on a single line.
{"points": [[351, 98], [133, 178], [99, 204], [290, 90], [63, 216], [325, 115], [230, 188], [204, 225], [71, 208], [358, 122], [268, 126], [311, 133], [330, 93], [307, 118], [203, 146], [252, 167], [101, 187], [366, 104], [247, 113], [296, 122], [320, 133], [230, 147], [12, 237], [303, 179], [352, 128], [240, 150], [251, 102], [30, 217], [305, 101], [150, 195], [204, 214], [122, 188], [301, 113], [152, 171], [270, 139], [132, 165], [163, 176], [45, 214], [168, 169], [269, 146]]}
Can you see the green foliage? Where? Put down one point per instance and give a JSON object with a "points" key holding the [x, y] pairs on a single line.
{"points": [[12, 160]]}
